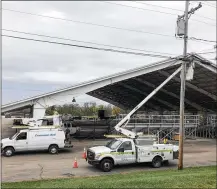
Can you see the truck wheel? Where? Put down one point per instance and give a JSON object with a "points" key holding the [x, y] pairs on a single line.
{"points": [[157, 162], [106, 165], [8, 152], [53, 149]]}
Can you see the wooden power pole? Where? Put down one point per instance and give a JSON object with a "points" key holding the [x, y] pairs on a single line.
{"points": [[184, 23]]}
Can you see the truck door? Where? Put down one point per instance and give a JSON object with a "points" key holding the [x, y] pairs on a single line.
{"points": [[21, 142], [128, 154]]}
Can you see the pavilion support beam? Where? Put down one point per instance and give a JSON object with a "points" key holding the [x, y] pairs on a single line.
{"points": [[114, 96], [149, 104], [155, 98], [190, 85], [194, 105], [94, 94]]}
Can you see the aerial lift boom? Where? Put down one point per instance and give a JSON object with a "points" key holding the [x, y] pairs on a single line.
{"points": [[124, 122]]}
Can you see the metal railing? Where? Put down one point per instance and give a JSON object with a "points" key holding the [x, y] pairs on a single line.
{"points": [[212, 120], [161, 120]]}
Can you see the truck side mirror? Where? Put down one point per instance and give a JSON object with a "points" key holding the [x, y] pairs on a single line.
{"points": [[121, 150]]}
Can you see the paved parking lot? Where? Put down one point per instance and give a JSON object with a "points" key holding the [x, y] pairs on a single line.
{"points": [[41, 165]]}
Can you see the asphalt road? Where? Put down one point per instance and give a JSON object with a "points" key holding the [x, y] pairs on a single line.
{"points": [[41, 165]]}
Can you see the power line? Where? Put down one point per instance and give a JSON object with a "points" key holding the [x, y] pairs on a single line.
{"points": [[139, 8], [54, 37], [207, 4], [211, 4], [154, 11], [94, 24], [89, 47], [194, 38], [207, 52], [88, 23], [158, 6], [172, 9]]}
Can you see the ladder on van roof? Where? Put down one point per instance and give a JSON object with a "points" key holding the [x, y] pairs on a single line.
{"points": [[35, 128]]}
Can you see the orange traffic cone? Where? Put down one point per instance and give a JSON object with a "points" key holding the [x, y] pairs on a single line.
{"points": [[84, 154], [75, 165]]}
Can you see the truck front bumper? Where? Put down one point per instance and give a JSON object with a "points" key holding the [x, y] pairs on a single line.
{"points": [[93, 162], [176, 155], [68, 146]]}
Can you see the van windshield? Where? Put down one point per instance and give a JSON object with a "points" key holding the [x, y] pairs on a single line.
{"points": [[113, 144], [14, 136]]}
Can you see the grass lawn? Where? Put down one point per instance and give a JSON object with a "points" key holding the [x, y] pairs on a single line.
{"points": [[197, 177]]}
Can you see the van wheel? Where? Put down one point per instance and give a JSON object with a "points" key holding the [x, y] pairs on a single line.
{"points": [[8, 152], [53, 149], [157, 162], [106, 165]]}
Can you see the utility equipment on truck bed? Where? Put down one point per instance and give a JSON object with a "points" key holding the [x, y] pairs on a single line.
{"points": [[135, 148]]}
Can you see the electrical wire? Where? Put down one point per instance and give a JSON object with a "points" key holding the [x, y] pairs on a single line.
{"points": [[194, 38], [139, 8], [89, 47], [207, 4], [94, 24], [172, 9], [88, 23], [207, 52], [68, 39], [155, 11], [157, 6]]}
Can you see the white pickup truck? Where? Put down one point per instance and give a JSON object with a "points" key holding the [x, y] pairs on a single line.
{"points": [[121, 151]]}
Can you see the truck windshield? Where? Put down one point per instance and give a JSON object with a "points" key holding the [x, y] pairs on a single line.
{"points": [[113, 144]]}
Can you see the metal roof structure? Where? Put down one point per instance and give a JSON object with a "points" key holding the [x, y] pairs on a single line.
{"points": [[127, 89]]}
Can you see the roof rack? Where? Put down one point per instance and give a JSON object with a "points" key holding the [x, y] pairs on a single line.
{"points": [[35, 128]]}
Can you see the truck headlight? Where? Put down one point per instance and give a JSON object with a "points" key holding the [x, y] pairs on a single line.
{"points": [[97, 156]]}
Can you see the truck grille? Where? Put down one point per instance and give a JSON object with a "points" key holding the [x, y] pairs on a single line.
{"points": [[90, 155]]}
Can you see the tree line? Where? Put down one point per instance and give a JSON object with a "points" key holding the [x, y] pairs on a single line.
{"points": [[87, 109]]}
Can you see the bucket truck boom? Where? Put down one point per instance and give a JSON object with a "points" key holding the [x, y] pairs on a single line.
{"points": [[124, 122], [132, 149]]}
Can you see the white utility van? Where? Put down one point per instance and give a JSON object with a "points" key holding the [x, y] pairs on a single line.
{"points": [[34, 139]]}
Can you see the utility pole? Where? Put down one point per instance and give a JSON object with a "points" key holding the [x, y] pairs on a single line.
{"points": [[184, 18], [182, 91]]}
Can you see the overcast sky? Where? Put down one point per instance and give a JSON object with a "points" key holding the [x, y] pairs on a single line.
{"points": [[31, 68]]}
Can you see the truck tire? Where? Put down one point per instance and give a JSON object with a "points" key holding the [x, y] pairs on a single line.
{"points": [[157, 162], [8, 152], [53, 149], [106, 165]]}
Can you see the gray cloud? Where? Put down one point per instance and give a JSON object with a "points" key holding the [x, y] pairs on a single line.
{"points": [[34, 65]]}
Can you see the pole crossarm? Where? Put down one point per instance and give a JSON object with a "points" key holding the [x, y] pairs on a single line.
{"points": [[191, 11]]}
